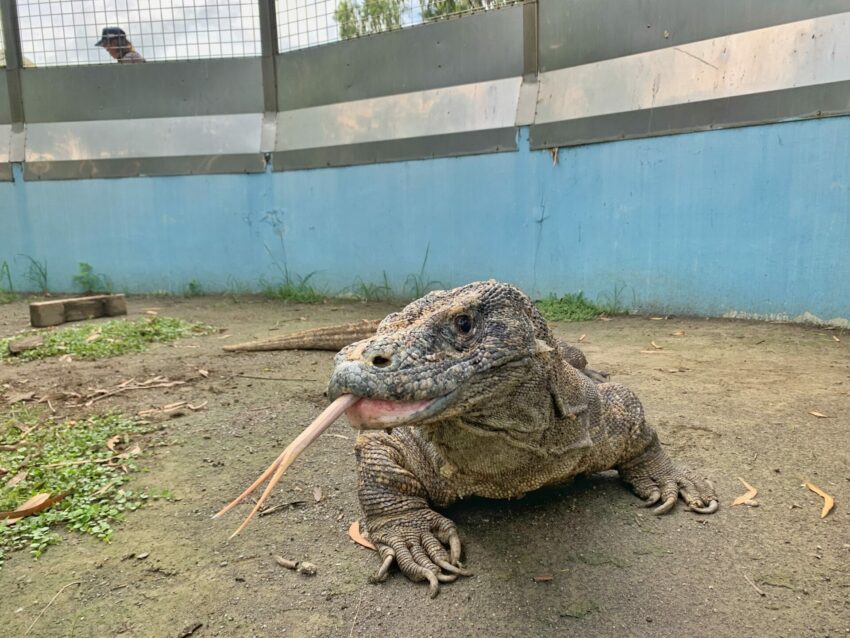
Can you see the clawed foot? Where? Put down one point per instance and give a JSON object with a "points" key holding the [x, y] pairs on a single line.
{"points": [[417, 542], [655, 478]]}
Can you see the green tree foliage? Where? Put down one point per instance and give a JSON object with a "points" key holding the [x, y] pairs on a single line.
{"points": [[362, 17]]}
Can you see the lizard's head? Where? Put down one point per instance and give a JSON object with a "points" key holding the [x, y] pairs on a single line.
{"points": [[448, 353]]}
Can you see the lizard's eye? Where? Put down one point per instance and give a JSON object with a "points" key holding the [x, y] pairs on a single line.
{"points": [[463, 323]]}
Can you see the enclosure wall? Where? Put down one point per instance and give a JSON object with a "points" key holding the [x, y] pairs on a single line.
{"points": [[751, 220], [669, 156]]}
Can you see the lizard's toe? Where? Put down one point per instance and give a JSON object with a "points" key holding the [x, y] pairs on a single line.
{"points": [[655, 478], [425, 546]]}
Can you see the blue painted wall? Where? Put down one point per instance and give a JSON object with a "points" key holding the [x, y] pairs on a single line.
{"points": [[752, 220]]}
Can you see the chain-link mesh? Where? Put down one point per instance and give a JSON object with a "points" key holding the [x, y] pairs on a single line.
{"points": [[64, 32], [306, 23]]}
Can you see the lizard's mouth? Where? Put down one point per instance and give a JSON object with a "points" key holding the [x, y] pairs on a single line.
{"points": [[377, 414]]}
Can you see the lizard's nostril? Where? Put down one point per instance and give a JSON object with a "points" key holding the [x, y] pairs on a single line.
{"points": [[380, 361]]}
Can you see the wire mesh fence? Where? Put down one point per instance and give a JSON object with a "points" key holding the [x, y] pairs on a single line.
{"points": [[306, 23], [65, 32], [72, 32]]}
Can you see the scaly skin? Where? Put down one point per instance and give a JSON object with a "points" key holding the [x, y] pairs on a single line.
{"points": [[486, 402]]}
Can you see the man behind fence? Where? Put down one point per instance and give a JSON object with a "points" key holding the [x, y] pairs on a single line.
{"points": [[115, 41]]}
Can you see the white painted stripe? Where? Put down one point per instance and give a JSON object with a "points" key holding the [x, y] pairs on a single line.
{"points": [[145, 137], [456, 109], [797, 54]]}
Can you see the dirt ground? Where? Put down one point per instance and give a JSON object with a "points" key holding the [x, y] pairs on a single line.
{"points": [[730, 398]]}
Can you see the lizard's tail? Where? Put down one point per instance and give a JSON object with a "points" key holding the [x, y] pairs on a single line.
{"points": [[329, 338]]}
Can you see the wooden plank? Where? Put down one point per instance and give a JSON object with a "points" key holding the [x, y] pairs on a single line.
{"points": [[58, 311]]}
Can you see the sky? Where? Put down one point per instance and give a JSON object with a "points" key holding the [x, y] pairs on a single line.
{"points": [[63, 32]]}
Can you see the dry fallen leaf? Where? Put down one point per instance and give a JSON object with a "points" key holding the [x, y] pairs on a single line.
{"points": [[542, 578], [651, 352], [836, 338], [678, 333], [317, 494], [20, 476], [750, 494], [20, 397], [656, 346], [357, 537], [818, 415], [828, 501], [582, 338], [111, 442], [657, 318], [203, 373], [93, 336], [36, 504]]}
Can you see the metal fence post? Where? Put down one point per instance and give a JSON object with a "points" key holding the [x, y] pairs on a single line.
{"points": [[14, 59], [268, 43], [530, 40]]}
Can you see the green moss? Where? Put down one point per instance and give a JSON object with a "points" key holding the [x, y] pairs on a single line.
{"points": [[65, 456], [570, 307], [107, 339]]}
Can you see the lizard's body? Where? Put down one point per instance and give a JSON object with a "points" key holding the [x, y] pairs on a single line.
{"points": [[467, 392]]}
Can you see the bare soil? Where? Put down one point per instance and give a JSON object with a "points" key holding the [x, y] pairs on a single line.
{"points": [[732, 399]]}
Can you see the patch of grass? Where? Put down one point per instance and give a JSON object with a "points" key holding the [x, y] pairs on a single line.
{"points": [[570, 307], [37, 274], [107, 339], [417, 285], [7, 290], [613, 304], [89, 281], [373, 292], [292, 288], [193, 289], [78, 454]]}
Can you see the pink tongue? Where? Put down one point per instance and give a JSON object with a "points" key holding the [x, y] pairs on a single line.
{"points": [[378, 413]]}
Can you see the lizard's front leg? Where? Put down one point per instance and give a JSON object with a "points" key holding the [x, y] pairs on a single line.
{"points": [[396, 478], [644, 463]]}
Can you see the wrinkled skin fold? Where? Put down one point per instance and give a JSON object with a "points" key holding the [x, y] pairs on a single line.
{"points": [[467, 392]]}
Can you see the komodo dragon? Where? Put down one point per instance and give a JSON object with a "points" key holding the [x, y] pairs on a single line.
{"points": [[467, 392]]}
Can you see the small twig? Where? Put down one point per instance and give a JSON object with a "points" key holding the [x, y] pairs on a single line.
{"points": [[127, 388], [285, 562], [248, 376], [274, 508], [76, 582], [81, 462], [753, 585], [356, 612]]}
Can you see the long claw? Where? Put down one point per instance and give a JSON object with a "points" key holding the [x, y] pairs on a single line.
{"points": [[292, 452], [433, 583], [447, 578], [666, 506], [711, 508], [454, 548], [381, 575], [452, 569], [653, 498]]}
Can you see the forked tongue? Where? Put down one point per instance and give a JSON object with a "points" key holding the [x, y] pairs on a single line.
{"points": [[288, 456]]}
